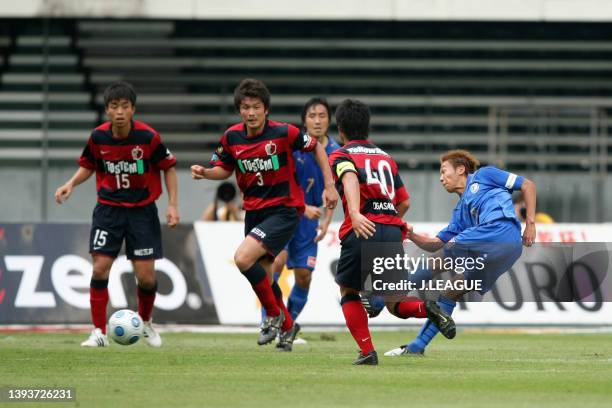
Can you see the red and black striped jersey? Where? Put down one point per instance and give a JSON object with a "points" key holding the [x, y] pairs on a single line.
{"points": [[127, 170], [380, 185], [264, 166]]}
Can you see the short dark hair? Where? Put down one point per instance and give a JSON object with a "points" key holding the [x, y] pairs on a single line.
{"points": [[353, 119], [226, 192], [253, 88], [119, 90], [317, 100]]}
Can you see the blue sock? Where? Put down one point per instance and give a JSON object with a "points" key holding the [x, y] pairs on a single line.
{"points": [[297, 300], [429, 330], [263, 311]]}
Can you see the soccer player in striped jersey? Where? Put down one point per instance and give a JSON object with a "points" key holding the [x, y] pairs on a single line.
{"points": [[483, 224], [374, 200], [127, 156], [260, 152]]}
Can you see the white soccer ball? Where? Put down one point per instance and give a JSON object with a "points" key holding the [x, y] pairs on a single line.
{"points": [[125, 327]]}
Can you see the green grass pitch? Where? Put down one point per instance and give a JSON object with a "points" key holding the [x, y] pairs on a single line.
{"points": [[477, 369]]}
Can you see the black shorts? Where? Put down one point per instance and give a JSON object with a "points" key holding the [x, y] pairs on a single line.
{"points": [[272, 226], [138, 225], [349, 273]]}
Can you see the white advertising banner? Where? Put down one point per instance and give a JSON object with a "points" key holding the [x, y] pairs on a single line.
{"points": [[236, 303]]}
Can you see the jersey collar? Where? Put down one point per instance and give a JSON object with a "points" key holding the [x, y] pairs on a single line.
{"points": [[359, 141], [266, 125]]}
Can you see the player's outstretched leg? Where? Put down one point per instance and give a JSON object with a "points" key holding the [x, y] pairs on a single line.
{"points": [[427, 333]]}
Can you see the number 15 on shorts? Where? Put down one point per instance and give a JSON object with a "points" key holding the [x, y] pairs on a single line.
{"points": [[99, 239]]}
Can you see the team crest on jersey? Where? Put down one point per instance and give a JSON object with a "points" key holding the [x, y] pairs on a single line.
{"points": [[474, 188], [271, 148], [137, 153]]}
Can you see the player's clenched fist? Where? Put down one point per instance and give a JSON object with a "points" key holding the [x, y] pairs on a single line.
{"points": [[62, 193], [198, 172], [172, 216]]}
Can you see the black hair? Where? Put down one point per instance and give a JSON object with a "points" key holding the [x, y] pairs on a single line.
{"points": [[252, 88], [226, 192], [119, 90], [353, 119], [318, 100]]}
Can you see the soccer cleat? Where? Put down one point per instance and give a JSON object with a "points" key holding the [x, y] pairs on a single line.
{"points": [[152, 338], [372, 304], [405, 350], [286, 338], [443, 321], [369, 359], [270, 328], [96, 339]]}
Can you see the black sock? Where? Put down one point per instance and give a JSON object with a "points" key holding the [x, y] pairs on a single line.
{"points": [[255, 274]]}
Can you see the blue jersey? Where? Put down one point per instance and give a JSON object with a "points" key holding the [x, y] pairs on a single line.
{"points": [[309, 174], [302, 248], [487, 198]]}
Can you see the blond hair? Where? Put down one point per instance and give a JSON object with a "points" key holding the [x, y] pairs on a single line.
{"points": [[461, 158]]}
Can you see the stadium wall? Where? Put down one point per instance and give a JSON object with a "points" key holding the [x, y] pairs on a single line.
{"points": [[45, 272], [471, 10], [565, 196]]}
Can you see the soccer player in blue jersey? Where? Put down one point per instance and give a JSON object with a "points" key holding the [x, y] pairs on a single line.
{"points": [[300, 254], [483, 221]]}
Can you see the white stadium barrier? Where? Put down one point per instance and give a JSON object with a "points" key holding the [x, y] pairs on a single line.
{"points": [[236, 303]]}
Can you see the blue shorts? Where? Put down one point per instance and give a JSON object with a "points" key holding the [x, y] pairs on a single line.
{"points": [[302, 250], [498, 244]]}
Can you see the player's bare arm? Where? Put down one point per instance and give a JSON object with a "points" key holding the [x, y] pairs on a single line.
{"points": [[330, 195], [63, 192], [528, 188], [402, 208], [424, 242], [312, 212], [172, 213], [324, 224], [361, 225], [216, 173]]}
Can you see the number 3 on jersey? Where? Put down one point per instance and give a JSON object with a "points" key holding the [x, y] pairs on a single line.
{"points": [[387, 186], [260, 181]]}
